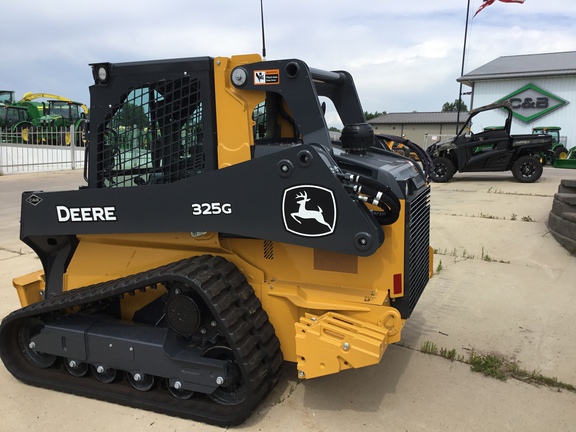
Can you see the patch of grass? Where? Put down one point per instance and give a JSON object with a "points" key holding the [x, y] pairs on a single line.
{"points": [[464, 254], [537, 378], [490, 365], [513, 217], [439, 267], [488, 258], [487, 216], [527, 219], [429, 348], [448, 354], [501, 192], [496, 366]]}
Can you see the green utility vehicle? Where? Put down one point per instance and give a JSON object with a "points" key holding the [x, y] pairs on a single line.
{"points": [[491, 149]]}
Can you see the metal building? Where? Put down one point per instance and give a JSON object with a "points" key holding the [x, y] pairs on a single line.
{"points": [[540, 87], [423, 128]]}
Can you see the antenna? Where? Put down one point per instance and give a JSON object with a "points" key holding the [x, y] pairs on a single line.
{"points": [[263, 37]]}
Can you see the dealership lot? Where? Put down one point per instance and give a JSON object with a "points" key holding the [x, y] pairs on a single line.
{"points": [[504, 286]]}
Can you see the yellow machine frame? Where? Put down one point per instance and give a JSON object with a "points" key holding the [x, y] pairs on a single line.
{"points": [[339, 315]]}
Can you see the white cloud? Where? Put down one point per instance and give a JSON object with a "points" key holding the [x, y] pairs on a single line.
{"points": [[404, 56]]}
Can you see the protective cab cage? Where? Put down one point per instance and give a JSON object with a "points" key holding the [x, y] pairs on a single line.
{"points": [[163, 128]]}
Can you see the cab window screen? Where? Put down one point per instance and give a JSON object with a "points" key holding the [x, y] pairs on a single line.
{"points": [[154, 135]]}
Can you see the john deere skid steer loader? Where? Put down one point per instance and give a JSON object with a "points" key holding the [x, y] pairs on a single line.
{"points": [[220, 233]]}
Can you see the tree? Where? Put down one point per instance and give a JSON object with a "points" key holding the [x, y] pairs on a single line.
{"points": [[131, 115], [370, 116], [453, 107]]}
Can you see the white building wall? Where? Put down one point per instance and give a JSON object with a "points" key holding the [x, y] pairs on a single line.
{"points": [[487, 92], [417, 133]]}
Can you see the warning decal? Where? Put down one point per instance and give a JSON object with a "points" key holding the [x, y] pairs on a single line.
{"points": [[263, 77]]}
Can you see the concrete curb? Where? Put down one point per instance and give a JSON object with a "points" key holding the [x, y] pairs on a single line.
{"points": [[562, 217]]}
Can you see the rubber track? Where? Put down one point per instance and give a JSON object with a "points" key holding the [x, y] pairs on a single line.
{"points": [[234, 305]]}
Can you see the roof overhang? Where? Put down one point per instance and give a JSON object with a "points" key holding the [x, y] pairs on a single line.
{"points": [[469, 80]]}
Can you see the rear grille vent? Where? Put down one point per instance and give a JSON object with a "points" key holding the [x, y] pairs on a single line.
{"points": [[417, 251]]}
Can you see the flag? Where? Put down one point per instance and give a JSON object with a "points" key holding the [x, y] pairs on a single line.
{"points": [[489, 2]]}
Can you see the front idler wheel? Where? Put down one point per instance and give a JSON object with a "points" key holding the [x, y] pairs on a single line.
{"points": [[27, 331], [443, 170]]}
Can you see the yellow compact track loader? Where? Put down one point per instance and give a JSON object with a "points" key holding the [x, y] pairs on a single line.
{"points": [[220, 233]]}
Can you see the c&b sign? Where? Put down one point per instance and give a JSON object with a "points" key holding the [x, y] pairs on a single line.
{"points": [[531, 102]]}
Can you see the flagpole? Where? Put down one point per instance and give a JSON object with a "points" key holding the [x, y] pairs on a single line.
{"points": [[462, 69]]}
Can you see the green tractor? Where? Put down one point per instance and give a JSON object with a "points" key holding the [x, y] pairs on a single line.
{"points": [[46, 122], [51, 120], [559, 149], [14, 118], [6, 96], [53, 124], [569, 161]]}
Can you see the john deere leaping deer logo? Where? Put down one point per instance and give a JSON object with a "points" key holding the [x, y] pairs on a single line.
{"points": [[309, 210], [304, 213]]}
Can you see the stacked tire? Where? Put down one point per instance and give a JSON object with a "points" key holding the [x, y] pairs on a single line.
{"points": [[562, 218]]}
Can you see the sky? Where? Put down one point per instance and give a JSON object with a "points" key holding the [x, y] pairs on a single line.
{"points": [[404, 55]]}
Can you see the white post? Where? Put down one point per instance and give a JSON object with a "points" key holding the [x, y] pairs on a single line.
{"points": [[1, 151], [73, 146]]}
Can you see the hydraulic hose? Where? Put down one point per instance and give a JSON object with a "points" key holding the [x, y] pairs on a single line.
{"points": [[423, 155], [375, 193]]}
